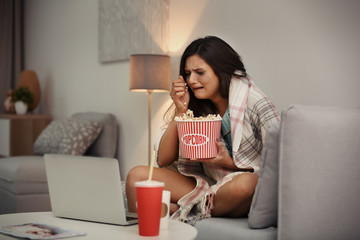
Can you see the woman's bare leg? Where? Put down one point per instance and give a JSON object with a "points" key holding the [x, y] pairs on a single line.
{"points": [[173, 208], [178, 184], [233, 199]]}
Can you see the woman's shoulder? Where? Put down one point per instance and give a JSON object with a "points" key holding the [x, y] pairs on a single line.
{"points": [[258, 102], [256, 96]]}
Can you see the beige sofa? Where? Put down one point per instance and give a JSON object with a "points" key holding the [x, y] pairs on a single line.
{"points": [[307, 189], [23, 183], [309, 181]]}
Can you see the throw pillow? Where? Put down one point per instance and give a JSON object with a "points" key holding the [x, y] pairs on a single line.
{"points": [[263, 210], [106, 143], [68, 136]]}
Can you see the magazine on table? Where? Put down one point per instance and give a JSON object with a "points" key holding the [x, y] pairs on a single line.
{"points": [[38, 231]]}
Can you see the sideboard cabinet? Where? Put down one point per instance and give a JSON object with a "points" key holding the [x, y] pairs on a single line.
{"points": [[19, 132]]}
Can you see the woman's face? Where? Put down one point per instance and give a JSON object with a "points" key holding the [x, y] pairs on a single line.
{"points": [[201, 78]]}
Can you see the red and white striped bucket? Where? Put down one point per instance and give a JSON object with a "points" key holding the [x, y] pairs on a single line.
{"points": [[198, 138]]}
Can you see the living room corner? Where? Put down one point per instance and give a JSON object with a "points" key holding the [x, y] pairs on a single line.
{"points": [[297, 52], [281, 40]]}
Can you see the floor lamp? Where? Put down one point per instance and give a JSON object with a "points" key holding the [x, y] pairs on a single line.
{"points": [[149, 73]]}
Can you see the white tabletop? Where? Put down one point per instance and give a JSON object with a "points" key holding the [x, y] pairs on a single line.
{"points": [[96, 231]]}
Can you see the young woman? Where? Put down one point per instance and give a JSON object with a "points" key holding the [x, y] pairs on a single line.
{"points": [[212, 80]]}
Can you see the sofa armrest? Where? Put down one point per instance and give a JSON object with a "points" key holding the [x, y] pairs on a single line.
{"points": [[319, 177]]}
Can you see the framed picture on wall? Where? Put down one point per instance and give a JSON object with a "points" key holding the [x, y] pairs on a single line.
{"points": [[132, 27]]}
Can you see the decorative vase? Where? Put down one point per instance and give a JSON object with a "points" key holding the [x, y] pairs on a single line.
{"points": [[9, 105], [28, 78], [21, 107]]}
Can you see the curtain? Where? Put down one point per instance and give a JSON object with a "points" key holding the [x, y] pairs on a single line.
{"points": [[11, 45]]}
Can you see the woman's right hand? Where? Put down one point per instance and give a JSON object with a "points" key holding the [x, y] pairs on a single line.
{"points": [[169, 144], [180, 95]]}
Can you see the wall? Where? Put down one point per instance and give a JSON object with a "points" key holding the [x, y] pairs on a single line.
{"points": [[303, 52]]}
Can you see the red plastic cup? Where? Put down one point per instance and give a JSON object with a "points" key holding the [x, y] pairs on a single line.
{"points": [[149, 199], [198, 138]]}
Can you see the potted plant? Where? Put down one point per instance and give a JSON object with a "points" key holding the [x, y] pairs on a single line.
{"points": [[22, 97]]}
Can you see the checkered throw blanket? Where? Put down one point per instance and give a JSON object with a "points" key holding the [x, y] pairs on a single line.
{"points": [[251, 114]]}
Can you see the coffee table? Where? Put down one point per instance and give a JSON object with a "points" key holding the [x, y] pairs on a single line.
{"points": [[96, 231]]}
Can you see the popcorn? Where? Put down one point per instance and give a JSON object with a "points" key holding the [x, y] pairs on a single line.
{"points": [[189, 116]]}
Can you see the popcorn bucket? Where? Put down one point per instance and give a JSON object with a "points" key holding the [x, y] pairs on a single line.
{"points": [[198, 138]]}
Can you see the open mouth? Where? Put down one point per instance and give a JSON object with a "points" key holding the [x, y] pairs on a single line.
{"points": [[197, 88]]}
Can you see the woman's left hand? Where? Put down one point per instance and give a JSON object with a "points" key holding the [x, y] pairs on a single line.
{"points": [[223, 158]]}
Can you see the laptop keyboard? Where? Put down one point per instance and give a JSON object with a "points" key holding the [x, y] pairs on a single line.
{"points": [[129, 216]]}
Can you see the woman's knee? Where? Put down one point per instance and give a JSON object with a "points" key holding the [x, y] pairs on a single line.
{"points": [[137, 173], [244, 185]]}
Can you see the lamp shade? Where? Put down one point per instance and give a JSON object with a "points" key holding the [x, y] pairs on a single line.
{"points": [[149, 72]]}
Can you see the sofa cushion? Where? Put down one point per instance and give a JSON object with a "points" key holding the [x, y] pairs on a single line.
{"points": [[319, 173], [16, 203], [106, 143], [231, 229], [67, 136], [263, 210], [23, 175]]}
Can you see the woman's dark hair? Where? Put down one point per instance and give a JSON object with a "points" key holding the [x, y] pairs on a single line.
{"points": [[224, 61]]}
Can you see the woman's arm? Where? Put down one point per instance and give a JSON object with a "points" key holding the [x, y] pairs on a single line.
{"points": [[223, 158], [169, 143], [168, 146]]}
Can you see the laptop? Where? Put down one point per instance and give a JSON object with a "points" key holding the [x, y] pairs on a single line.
{"points": [[86, 188]]}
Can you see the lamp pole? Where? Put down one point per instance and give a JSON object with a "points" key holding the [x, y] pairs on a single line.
{"points": [[149, 121]]}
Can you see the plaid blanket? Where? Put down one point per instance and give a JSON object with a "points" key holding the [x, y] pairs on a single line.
{"points": [[251, 114]]}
